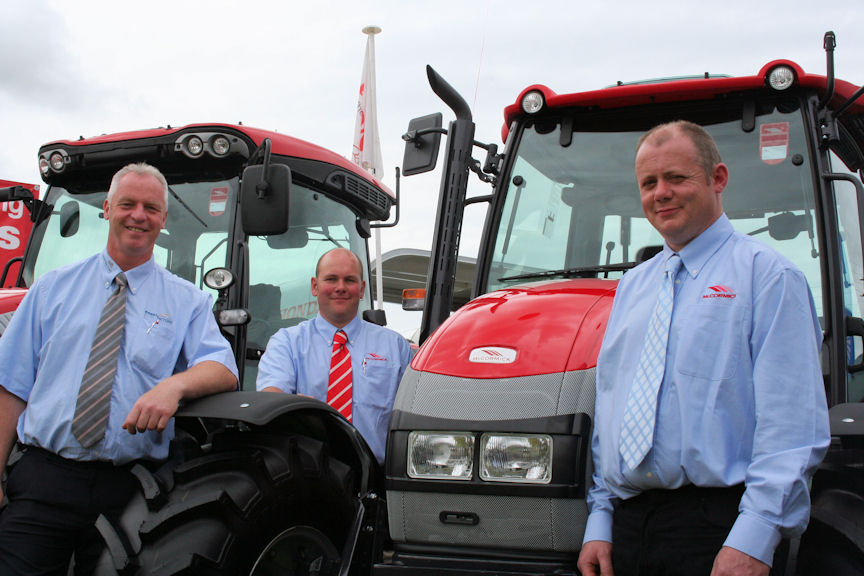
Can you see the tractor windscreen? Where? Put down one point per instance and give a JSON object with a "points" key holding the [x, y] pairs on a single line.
{"points": [[572, 204], [193, 241]]}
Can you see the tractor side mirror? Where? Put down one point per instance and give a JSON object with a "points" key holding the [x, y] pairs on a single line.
{"points": [[421, 144], [264, 195], [70, 217]]}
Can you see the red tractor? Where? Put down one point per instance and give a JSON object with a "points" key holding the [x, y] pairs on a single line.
{"points": [[488, 458], [488, 452], [250, 212]]}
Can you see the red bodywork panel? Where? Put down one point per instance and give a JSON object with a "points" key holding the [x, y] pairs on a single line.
{"points": [[676, 91], [553, 326], [281, 144], [10, 298]]}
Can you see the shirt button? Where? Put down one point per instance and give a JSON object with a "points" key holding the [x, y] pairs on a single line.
{"points": [[649, 475]]}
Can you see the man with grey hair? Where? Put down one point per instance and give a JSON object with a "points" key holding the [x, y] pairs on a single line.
{"points": [[93, 366]]}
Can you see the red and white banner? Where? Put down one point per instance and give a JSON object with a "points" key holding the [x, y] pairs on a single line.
{"points": [[15, 228], [367, 145]]}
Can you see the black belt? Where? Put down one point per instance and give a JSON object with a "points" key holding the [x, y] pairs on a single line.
{"points": [[689, 492], [84, 464]]}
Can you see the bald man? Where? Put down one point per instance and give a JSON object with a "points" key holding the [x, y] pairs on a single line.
{"points": [[300, 359]]}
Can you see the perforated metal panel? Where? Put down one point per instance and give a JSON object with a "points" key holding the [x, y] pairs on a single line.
{"points": [[441, 396], [505, 522]]}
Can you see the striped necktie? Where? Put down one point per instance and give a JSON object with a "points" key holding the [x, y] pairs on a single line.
{"points": [[339, 384], [637, 427], [94, 396]]}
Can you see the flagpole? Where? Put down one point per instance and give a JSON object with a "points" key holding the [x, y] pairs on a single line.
{"points": [[367, 146]]}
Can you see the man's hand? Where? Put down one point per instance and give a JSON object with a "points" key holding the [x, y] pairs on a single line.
{"points": [[11, 407], [154, 408], [595, 559], [732, 562]]}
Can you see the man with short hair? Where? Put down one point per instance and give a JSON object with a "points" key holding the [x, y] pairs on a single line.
{"points": [[337, 357], [92, 368], [711, 414]]}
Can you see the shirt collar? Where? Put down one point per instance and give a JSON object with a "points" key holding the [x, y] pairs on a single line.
{"points": [[699, 250], [135, 277], [328, 330]]}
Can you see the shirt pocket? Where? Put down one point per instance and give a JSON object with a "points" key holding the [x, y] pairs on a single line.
{"points": [[710, 343], [153, 348], [381, 382]]}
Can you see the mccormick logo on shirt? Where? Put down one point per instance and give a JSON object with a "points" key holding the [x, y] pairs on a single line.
{"points": [[719, 291], [372, 357]]}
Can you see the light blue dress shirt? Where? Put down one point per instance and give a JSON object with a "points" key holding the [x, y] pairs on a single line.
{"points": [[44, 350], [742, 398], [297, 361]]}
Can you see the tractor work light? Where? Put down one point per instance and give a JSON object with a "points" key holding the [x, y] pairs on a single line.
{"points": [[532, 102], [220, 145], [218, 278], [216, 144], [57, 162], [441, 455], [194, 146], [521, 458], [781, 77], [233, 317], [53, 160]]}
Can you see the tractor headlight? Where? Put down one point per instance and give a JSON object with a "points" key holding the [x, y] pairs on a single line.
{"points": [[516, 458], [441, 455], [781, 77]]}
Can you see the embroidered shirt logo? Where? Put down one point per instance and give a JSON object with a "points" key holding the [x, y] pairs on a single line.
{"points": [[492, 355], [371, 357], [719, 291]]}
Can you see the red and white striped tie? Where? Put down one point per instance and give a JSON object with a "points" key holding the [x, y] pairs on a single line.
{"points": [[339, 386]]}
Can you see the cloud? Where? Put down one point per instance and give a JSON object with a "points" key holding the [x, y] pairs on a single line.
{"points": [[35, 44]]}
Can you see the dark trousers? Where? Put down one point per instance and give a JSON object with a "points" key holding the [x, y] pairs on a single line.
{"points": [[53, 505], [675, 532]]}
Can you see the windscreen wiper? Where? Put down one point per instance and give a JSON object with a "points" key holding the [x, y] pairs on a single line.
{"points": [[186, 206], [580, 272]]}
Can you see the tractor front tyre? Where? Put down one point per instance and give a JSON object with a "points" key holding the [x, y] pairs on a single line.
{"points": [[256, 503], [827, 552]]}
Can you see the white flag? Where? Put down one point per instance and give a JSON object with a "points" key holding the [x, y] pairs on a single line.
{"points": [[367, 146]]}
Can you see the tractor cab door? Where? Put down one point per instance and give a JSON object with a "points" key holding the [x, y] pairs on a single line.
{"points": [[847, 201], [281, 267]]}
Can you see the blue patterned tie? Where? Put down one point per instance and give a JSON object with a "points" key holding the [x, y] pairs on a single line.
{"points": [[94, 396], [637, 428]]}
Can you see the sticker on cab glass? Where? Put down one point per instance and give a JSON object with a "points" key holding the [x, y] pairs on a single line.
{"points": [[774, 142], [218, 200], [492, 355]]}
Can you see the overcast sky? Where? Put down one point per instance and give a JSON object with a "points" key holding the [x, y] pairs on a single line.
{"points": [[90, 67]]}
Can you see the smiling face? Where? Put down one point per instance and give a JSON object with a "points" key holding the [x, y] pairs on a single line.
{"points": [[136, 213], [338, 285], [678, 197]]}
